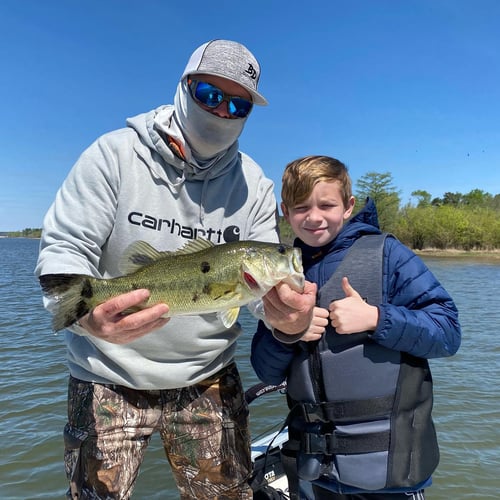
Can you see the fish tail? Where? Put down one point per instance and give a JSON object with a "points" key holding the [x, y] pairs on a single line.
{"points": [[72, 293]]}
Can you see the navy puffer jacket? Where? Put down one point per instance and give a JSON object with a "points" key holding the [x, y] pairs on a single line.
{"points": [[416, 315]]}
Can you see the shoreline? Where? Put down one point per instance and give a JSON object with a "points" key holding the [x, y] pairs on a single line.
{"points": [[491, 255], [455, 253]]}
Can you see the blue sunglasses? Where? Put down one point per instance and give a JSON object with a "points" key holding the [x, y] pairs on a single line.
{"points": [[212, 96]]}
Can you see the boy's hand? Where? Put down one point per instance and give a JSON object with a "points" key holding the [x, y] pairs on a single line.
{"points": [[289, 311], [352, 314]]}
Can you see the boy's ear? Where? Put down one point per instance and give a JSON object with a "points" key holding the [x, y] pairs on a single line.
{"points": [[350, 207], [284, 209]]}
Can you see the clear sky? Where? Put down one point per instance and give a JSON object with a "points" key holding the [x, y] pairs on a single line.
{"points": [[410, 87]]}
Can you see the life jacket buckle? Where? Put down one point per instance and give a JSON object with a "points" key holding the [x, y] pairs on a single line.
{"points": [[321, 439], [314, 413], [313, 444]]}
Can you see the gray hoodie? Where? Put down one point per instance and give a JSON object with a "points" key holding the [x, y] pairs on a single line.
{"points": [[128, 186]]}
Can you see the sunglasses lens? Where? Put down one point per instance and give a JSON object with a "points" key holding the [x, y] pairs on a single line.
{"points": [[239, 107], [208, 94]]}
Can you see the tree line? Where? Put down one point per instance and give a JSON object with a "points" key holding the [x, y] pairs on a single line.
{"points": [[29, 232], [462, 221]]}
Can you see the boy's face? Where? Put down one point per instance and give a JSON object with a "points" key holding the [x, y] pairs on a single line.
{"points": [[319, 219]]}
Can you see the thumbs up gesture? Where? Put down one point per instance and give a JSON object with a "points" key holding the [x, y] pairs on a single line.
{"points": [[352, 314]]}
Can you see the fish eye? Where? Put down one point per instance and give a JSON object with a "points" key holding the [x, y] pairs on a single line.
{"points": [[281, 249]]}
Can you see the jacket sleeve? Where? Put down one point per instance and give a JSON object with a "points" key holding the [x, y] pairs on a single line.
{"points": [[417, 315], [270, 358]]}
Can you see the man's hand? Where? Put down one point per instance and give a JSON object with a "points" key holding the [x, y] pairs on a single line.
{"points": [[318, 325], [289, 311], [107, 321], [352, 314]]}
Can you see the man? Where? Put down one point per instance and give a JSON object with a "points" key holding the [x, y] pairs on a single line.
{"points": [[172, 175]]}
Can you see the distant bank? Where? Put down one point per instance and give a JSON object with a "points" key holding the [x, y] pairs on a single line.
{"points": [[493, 255]]}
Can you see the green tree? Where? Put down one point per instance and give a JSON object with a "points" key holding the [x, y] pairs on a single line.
{"points": [[454, 199], [414, 227], [495, 202], [379, 187], [286, 233], [477, 198], [424, 198]]}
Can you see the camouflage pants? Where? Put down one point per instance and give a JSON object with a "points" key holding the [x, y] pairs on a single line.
{"points": [[204, 430]]}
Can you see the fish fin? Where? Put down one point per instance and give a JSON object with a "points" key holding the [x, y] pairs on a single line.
{"points": [[229, 316], [194, 246], [72, 293], [140, 254], [57, 284], [137, 255]]}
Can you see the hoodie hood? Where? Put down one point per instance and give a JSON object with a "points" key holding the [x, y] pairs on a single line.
{"points": [[366, 216], [152, 130]]}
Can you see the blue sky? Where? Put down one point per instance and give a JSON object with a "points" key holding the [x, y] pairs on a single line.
{"points": [[410, 87]]}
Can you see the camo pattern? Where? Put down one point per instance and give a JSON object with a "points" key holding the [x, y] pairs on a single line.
{"points": [[204, 430]]}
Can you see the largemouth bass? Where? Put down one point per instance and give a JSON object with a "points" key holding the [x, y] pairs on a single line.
{"points": [[199, 278]]}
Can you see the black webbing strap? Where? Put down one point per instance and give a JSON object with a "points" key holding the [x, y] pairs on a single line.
{"points": [[337, 443], [288, 455], [337, 411]]}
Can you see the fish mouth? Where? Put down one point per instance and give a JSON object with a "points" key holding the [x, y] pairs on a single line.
{"points": [[296, 278]]}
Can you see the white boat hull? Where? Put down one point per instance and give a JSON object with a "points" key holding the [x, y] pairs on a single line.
{"points": [[268, 469]]}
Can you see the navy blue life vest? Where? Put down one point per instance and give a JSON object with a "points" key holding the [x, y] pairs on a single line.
{"points": [[361, 413]]}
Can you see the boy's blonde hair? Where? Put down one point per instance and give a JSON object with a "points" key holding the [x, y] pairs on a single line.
{"points": [[301, 175]]}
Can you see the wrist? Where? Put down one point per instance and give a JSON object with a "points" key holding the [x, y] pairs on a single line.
{"points": [[287, 338]]}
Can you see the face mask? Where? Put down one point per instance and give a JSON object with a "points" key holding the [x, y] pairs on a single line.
{"points": [[206, 134]]}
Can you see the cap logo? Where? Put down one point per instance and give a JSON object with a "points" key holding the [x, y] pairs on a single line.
{"points": [[251, 72]]}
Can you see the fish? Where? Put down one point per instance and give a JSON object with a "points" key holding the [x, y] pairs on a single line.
{"points": [[199, 278]]}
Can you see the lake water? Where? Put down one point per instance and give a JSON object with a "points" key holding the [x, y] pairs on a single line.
{"points": [[33, 397]]}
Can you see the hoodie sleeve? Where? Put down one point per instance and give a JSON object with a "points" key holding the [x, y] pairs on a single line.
{"points": [[270, 358], [80, 219], [418, 315]]}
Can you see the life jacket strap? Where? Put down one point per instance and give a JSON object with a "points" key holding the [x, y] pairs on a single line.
{"points": [[339, 411], [335, 443]]}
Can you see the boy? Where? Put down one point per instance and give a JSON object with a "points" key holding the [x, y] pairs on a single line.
{"points": [[359, 384]]}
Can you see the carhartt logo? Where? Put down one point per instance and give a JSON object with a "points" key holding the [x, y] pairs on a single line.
{"points": [[173, 226], [251, 71]]}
